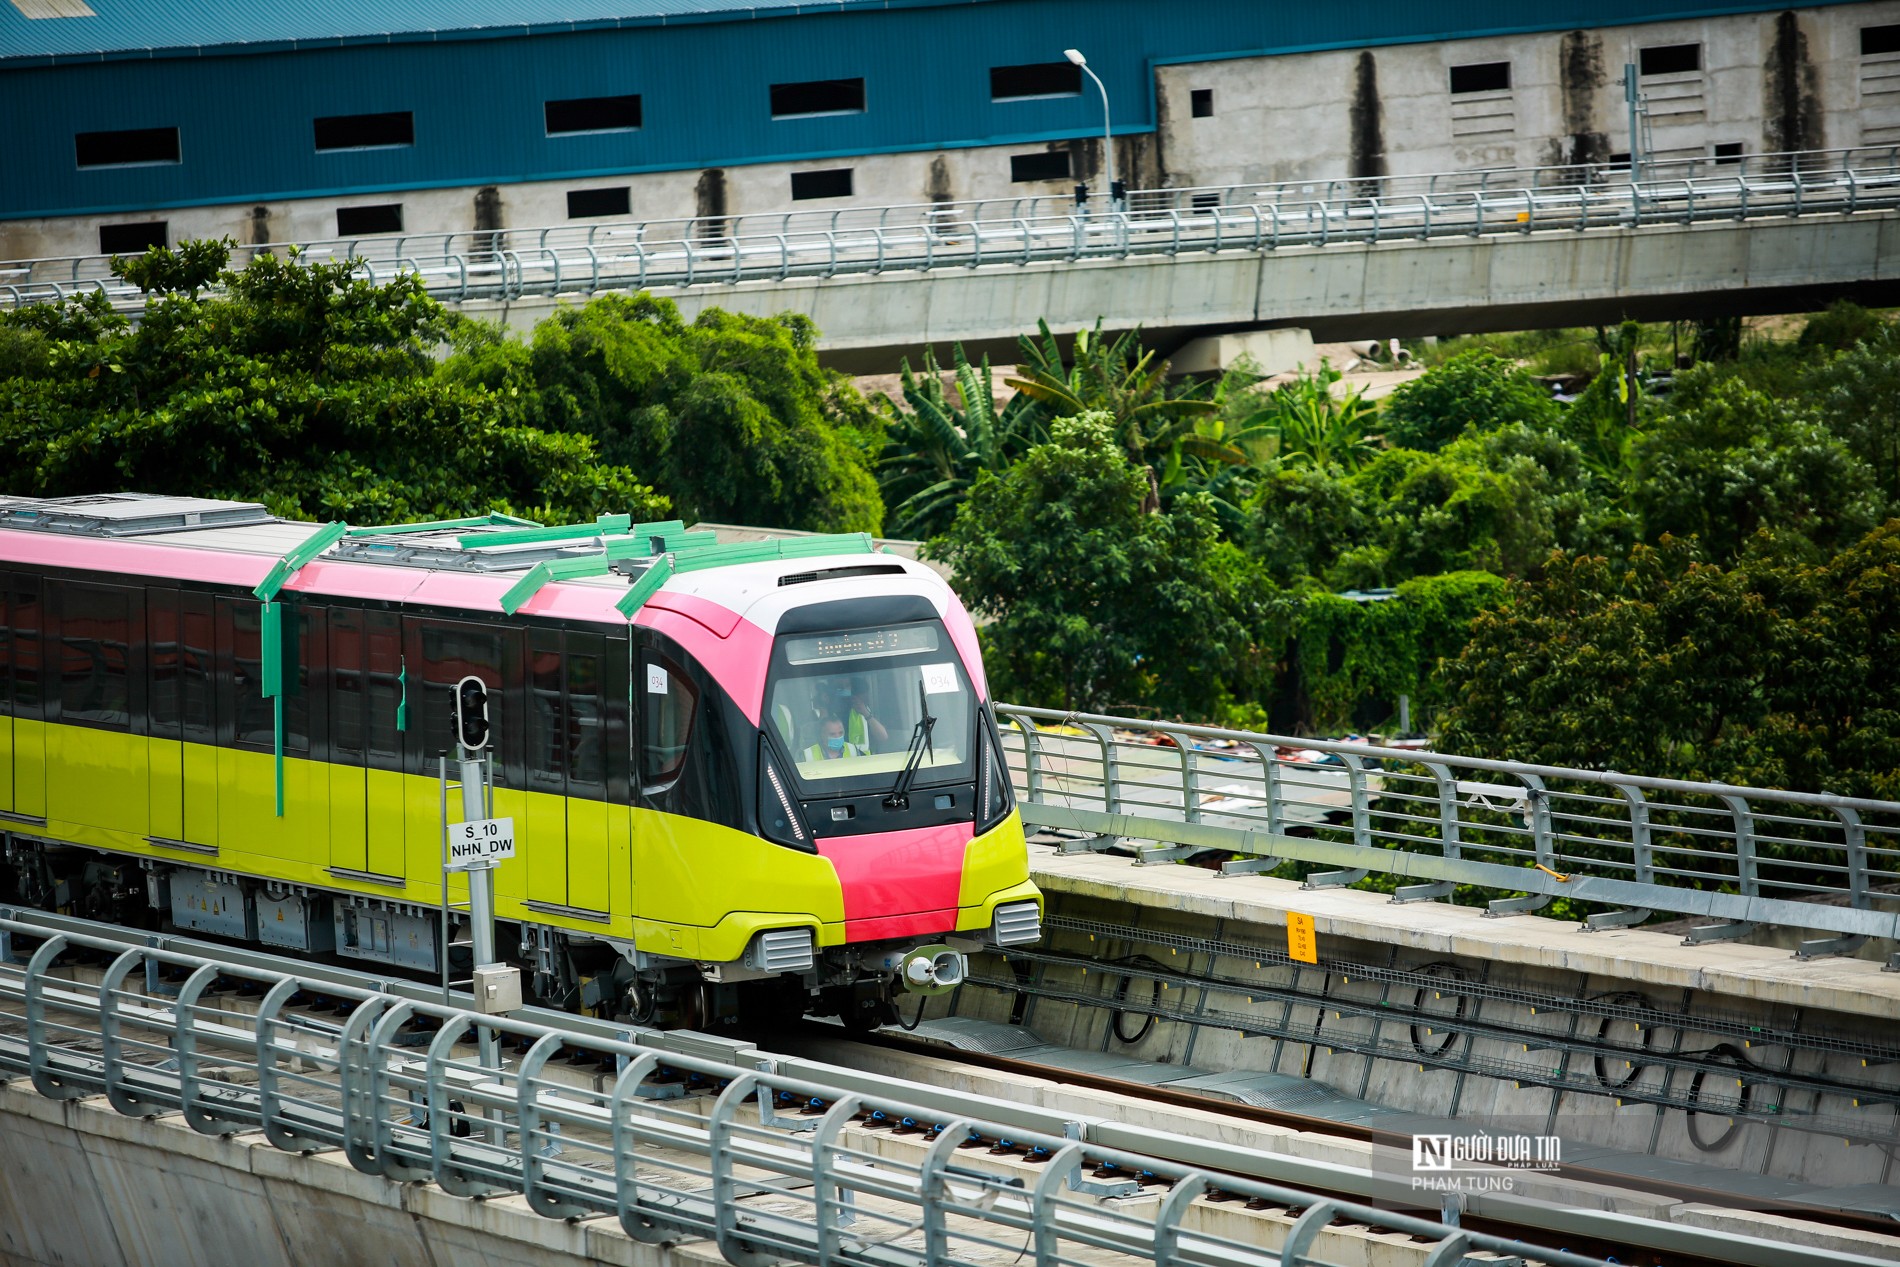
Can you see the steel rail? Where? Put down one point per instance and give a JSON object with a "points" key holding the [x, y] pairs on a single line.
{"points": [[669, 1168]]}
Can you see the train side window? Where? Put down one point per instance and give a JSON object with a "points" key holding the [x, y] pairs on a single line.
{"points": [[449, 654], [349, 696], [254, 715], [669, 702], [6, 643], [196, 667], [163, 660], [26, 617], [95, 672], [586, 725], [385, 690], [568, 717]]}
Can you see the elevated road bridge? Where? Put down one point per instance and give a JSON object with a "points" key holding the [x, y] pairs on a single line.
{"points": [[1398, 256]]}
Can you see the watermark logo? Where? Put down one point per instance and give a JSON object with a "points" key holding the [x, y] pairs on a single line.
{"points": [[1480, 1162]]}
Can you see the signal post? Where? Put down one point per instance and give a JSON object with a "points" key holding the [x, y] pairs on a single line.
{"points": [[475, 846]]}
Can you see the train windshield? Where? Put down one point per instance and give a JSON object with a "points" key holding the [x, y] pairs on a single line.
{"points": [[852, 707]]}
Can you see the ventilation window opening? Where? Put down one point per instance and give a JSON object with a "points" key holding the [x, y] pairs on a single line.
{"points": [[832, 183], [137, 147], [1620, 160], [132, 239], [1481, 77], [583, 204], [352, 222], [819, 96], [1728, 152], [1876, 40], [1201, 103], [1027, 83], [366, 131], [592, 114], [1043, 165], [1669, 59]]}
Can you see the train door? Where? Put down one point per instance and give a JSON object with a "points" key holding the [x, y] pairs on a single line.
{"points": [[198, 757], [348, 767], [385, 715], [570, 722], [25, 734]]}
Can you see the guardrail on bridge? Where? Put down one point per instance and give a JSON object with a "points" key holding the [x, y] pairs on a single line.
{"points": [[151, 1034], [509, 264], [1635, 845]]}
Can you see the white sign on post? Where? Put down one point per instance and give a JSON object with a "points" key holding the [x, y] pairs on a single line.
{"points": [[480, 843]]}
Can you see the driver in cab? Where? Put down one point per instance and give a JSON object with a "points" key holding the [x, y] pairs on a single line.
{"points": [[834, 745]]}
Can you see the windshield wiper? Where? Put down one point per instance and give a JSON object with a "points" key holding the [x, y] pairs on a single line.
{"points": [[919, 741]]}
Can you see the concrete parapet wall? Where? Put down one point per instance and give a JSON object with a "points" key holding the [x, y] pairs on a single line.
{"points": [[1402, 288], [86, 1187], [1719, 991]]}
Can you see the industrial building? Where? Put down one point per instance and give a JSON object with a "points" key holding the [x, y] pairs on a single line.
{"points": [[267, 121]]}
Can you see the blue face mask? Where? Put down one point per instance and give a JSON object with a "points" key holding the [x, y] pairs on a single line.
{"points": [[834, 743], [842, 692]]}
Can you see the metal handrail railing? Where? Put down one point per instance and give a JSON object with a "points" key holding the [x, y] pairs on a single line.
{"points": [[1633, 844], [571, 259], [836, 1190]]}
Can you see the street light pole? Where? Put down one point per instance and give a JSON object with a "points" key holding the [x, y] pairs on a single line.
{"points": [[1108, 135]]}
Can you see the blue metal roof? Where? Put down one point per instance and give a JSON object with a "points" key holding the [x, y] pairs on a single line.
{"points": [[139, 28]]}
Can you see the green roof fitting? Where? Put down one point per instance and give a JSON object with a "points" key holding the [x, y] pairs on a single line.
{"points": [[490, 520], [288, 566], [734, 553], [569, 569], [605, 526]]}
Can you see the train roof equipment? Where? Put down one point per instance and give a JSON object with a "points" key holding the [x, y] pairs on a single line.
{"points": [[643, 556]]}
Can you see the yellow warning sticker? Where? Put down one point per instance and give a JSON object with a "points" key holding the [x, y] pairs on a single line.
{"points": [[1301, 944]]}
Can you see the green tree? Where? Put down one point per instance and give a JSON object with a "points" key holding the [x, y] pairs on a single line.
{"points": [[730, 415], [1316, 426], [936, 447], [1858, 397], [1474, 391], [1120, 379], [1347, 651], [1095, 603], [299, 385], [1775, 671], [1726, 461]]}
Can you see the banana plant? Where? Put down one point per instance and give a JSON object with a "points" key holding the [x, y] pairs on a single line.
{"points": [[1314, 426], [935, 451]]}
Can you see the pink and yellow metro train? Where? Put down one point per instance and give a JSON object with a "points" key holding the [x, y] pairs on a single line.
{"points": [[763, 770]]}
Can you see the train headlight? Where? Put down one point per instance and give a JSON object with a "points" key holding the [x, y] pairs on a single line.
{"points": [[780, 818]]}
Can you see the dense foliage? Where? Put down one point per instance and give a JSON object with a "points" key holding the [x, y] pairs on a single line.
{"points": [[1698, 546], [731, 416], [1771, 671], [301, 384], [1098, 604], [298, 384]]}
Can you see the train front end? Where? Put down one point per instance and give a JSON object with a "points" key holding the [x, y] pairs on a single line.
{"points": [[877, 769]]}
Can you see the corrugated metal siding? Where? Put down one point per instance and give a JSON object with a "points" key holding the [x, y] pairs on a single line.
{"points": [[246, 121], [142, 26]]}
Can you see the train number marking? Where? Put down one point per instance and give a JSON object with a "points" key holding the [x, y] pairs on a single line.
{"points": [[940, 679]]}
